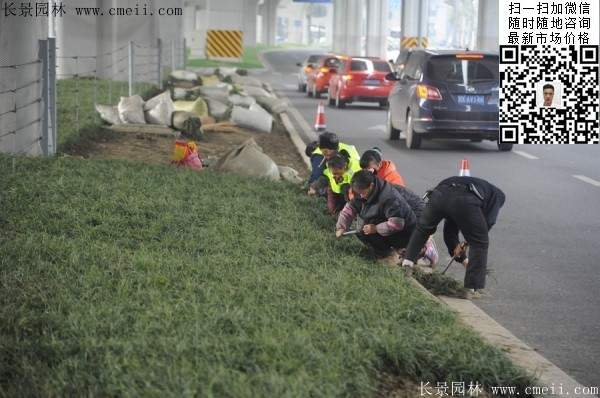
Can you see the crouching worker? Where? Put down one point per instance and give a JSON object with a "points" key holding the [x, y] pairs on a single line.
{"points": [[372, 159], [321, 151], [387, 217], [469, 205], [336, 180]]}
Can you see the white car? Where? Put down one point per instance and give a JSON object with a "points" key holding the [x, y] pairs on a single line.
{"points": [[305, 68]]}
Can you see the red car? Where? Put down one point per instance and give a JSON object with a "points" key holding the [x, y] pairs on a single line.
{"points": [[317, 81], [360, 79]]}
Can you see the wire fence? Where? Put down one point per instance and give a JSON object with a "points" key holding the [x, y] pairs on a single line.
{"points": [[28, 100]]}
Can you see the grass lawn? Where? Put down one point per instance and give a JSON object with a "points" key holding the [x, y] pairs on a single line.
{"points": [[79, 123], [127, 279], [249, 60]]}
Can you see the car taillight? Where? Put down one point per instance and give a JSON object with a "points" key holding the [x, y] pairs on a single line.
{"points": [[347, 77], [324, 70], [469, 56], [428, 92]]}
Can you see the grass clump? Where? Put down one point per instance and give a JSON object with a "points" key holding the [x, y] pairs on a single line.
{"points": [[440, 284], [127, 279]]}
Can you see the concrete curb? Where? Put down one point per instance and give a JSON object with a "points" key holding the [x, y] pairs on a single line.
{"points": [[549, 375]]}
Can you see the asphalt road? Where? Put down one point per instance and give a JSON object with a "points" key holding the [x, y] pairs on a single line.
{"points": [[545, 248]]}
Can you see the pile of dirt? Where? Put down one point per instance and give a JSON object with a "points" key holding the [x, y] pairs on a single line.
{"points": [[154, 148]]}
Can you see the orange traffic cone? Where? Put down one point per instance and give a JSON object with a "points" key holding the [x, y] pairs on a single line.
{"points": [[320, 120], [464, 168]]}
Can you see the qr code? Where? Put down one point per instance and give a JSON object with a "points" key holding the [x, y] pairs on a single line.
{"points": [[524, 116]]}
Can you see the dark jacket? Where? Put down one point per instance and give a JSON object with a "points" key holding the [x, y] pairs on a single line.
{"points": [[318, 166], [493, 197], [384, 203], [414, 201]]}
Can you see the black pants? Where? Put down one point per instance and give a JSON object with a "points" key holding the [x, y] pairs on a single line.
{"points": [[462, 211], [383, 245]]}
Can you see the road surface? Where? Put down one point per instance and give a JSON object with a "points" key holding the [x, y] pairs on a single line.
{"points": [[545, 248]]}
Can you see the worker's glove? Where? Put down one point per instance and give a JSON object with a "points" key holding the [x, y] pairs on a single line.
{"points": [[460, 252], [339, 233]]}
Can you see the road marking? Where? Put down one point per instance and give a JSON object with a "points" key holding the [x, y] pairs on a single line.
{"points": [[525, 155], [380, 127], [588, 180]]}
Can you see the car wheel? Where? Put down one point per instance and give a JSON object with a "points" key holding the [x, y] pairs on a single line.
{"points": [[413, 141], [383, 104], [393, 133], [315, 93], [504, 147], [309, 91], [339, 102]]}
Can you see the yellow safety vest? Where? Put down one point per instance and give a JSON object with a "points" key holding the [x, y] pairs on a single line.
{"points": [[351, 149], [353, 167]]}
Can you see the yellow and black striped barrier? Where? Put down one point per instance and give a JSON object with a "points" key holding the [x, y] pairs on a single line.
{"points": [[224, 43], [408, 42]]}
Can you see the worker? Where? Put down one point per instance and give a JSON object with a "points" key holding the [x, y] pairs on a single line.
{"points": [[372, 159], [469, 205], [387, 219], [327, 146], [336, 180]]}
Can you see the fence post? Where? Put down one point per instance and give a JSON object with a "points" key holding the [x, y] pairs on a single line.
{"points": [[131, 71], [184, 54], [52, 94], [43, 56], [172, 55], [159, 45]]}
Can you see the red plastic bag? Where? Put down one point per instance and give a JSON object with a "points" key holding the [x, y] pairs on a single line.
{"points": [[185, 154]]}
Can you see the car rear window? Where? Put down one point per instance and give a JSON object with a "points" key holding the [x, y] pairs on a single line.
{"points": [[331, 62], [381, 66], [452, 69], [358, 66]]}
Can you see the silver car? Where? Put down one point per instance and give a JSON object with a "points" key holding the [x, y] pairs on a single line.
{"points": [[306, 67]]}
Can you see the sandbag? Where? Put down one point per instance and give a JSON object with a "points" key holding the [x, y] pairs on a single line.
{"points": [[246, 80], [216, 109], [210, 81], [241, 100], [131, 110], [289, 174], [197, 107], [256, 91], [226, 71], [220, 93], [158, 109], [273, 104], [109, 114], [184, 75], [188, 123], [252, 119], [248, 159], [179, 93]]}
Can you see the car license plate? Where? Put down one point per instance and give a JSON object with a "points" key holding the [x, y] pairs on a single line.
{"points": [[471, 99], [371, 82]]}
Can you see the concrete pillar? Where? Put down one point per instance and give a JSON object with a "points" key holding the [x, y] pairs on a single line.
{"points": [[377, 28], [339, 31], [250, 10], [415, 14], [354, 14], [487, 26], [269, 21]]}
